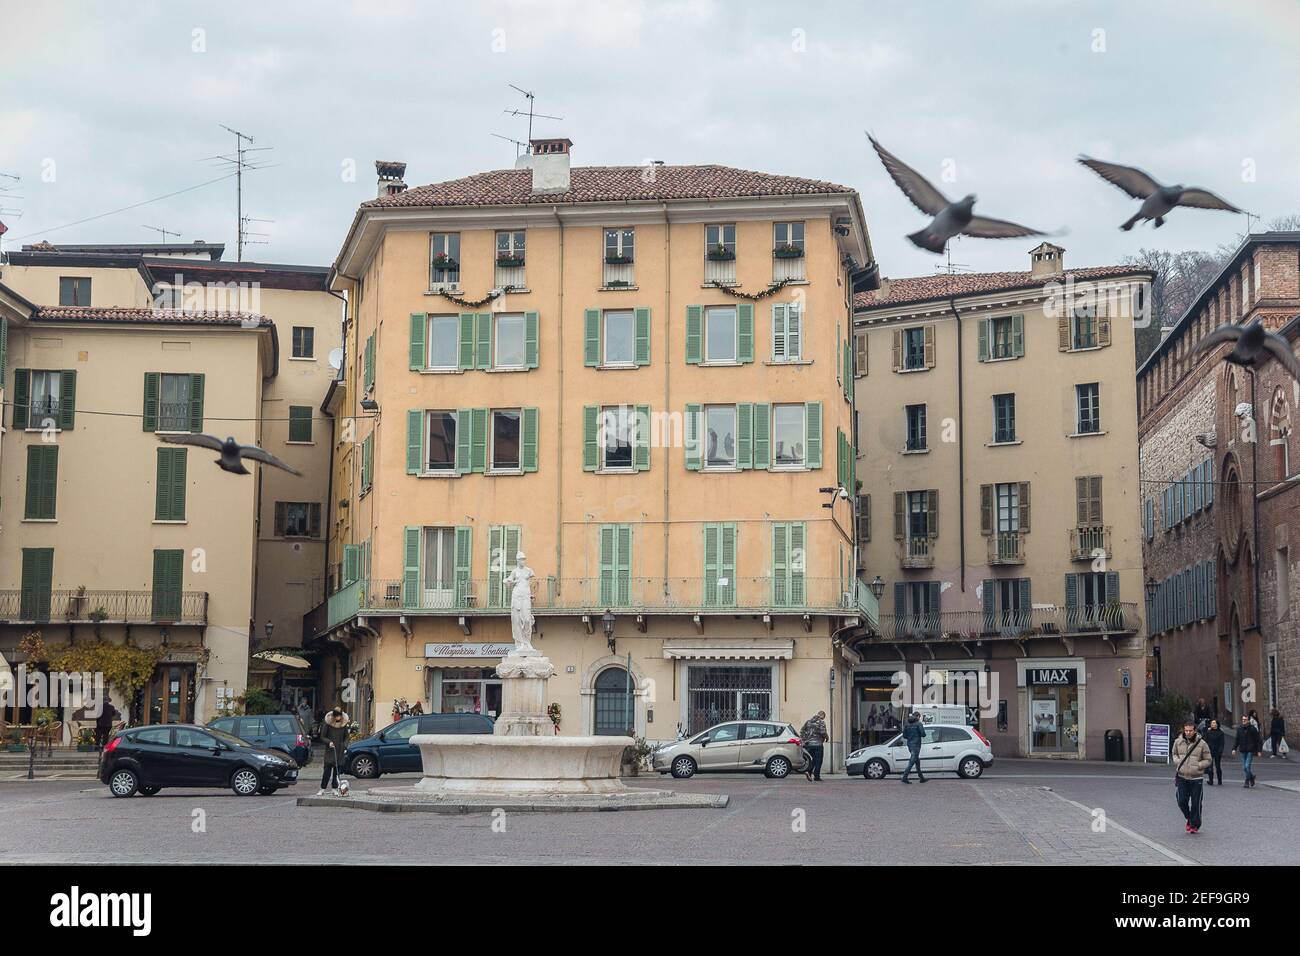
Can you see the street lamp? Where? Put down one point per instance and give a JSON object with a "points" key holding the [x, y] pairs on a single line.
{"points": [[1152, 587], [270, 626], [607, 622], [878, 587]]}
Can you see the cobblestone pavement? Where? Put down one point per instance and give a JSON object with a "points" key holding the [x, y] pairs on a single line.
{"points": [[1020, 813]]}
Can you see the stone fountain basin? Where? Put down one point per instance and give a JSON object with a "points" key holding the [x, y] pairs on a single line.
{"points": [[490, 764]]}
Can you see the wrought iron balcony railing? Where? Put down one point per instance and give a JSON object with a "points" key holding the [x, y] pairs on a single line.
{"points": [[1042, 621], [1089, 542], [103, 607]]}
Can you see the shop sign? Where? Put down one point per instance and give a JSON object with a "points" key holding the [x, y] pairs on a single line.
{"points": [[1055, 676], [467, 650]]}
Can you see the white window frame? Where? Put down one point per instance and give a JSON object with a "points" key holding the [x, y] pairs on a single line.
{"points": [[293, 342], [719, 229], [454, 364], [705, 464], [993, 337], [189, 391], [1079, 408], [802, 463], [425, 467], [789, 225], [492, 466], [449, 283], [627, 415], [903, 363], [709, 311], [1007, 507], [444, 584], [794, 326], [630, 361], [53, 387], [523, 340]]}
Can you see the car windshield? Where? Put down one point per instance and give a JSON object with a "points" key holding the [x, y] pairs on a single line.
{"points": [[226, 738]]}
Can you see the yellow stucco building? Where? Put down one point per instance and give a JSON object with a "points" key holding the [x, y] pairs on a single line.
{"points": [[639, 377]]}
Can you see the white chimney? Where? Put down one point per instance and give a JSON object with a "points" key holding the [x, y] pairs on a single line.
{"points": [[391, 177], [1046, 260], [550, 165]]}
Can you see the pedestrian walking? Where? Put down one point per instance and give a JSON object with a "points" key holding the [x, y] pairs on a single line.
{"points": [[1193, 756], [334, 732], [1276, 731], [104, 722], [1215, 738], [913, 734], [813, 734], [1202, 715], [304, 717], [1247, 745]]}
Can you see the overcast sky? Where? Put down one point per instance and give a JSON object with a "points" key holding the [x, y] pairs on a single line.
{"points": [[108, 104]]}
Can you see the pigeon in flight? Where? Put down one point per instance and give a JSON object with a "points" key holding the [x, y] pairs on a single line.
{"points": [[1252, 342], [1157, 200], [232, 452], [949, 218]]}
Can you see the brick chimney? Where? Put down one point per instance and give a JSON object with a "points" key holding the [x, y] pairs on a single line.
{"points": [[1046, 260], [550, 165], [391, 177]]}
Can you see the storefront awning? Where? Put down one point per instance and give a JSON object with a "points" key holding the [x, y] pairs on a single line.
{"points": [[284, 660], [753, 649]]}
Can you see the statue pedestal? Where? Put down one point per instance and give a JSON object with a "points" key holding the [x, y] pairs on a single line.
{"points": [[523, 696]]}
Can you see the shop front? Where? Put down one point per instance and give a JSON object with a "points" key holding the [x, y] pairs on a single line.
{"points": [[461, 678], [875, 718], [735, 679], [1052, 697]]}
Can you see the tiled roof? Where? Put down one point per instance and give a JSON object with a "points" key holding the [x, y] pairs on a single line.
{"points": [[510, 187], [943, 286], [158, 316]]}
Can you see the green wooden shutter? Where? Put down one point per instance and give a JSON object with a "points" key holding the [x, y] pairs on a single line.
{"points": [[368, 462], [1018, 335], [4, 347], [591, 351], [745, 332], [478, 440], [411, 580], [607, 562], [483, 340], [693, 427], [22, 378], [530, 339], [623, 564], [67, 398], [727, 565], [370, 362], [780, 312], [847, 362], [351, 563], [300, 423], [196, 403], [496, 565], [762, 435], [694, 333], [812, 423], [744, 435], [466, 360], [642, 336], [780, 565], [169, 485], [983, 328], [37, 580], [414, 441], [797, 558], [42, 481], [590, 437], [152, 386], [464, 425], [641, 439], [712, 563], [528, 451], [419, 351], [167, 577], [464, 554]]}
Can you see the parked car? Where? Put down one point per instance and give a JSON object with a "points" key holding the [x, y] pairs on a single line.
{"points": [[770, 746], [283, 732], [144, 760], [946, 748], [391, 750]]}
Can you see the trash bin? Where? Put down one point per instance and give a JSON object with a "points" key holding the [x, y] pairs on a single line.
{"points": [[1114, 745]]}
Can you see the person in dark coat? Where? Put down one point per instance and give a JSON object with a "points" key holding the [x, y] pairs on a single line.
{"points": [[1214, 739], [334, 734], [1247, 745], [1202, 715], [104, 722], [1276, 731], [913, 733]]}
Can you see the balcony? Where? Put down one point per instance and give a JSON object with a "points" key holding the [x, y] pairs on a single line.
{"points": [[916, 553], [1089, 542], [104, 607], [1044, 621], [1006, 547]]}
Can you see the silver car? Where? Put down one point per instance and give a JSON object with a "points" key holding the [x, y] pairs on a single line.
{"points": [[771, 746], [948, 748]]}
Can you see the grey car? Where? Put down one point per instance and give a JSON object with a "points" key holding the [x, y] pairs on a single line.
{"points": [[770, 746]]}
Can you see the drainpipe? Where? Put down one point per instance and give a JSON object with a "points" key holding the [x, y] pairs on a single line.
{"points": [[666, 322], [961, 451], [559, 416]]}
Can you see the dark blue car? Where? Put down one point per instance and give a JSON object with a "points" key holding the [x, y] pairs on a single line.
{"points": [[283, 732], [391, 750]]}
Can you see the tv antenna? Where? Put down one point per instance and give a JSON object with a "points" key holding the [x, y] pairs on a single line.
{"points": [[531, 114], [165, 232], [240, 162], [263, 238], [6, 193], [519, 147]]}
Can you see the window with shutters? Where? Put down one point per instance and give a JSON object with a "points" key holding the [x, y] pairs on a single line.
{"points": [[1002, 339], [788, 436], [913, 357], [304, 342], [615, 565], [42, 482], [919, 524], [168, 571], [1087, 493], [1088, 404], [1004, 419], [300, 424], [719, 565], [37, 584], [916, 439], [74, 291], [860, 354], [787, 332], [1008, 507], [720, 437], [444, 340], [505, 453], [444, 260], [297, 519], [440, 444], [619, 338], [620, 253], [1083, 327], [720, 334], [175, 393], [720, 253], [617, 429], [864, 520], [169, 488]]}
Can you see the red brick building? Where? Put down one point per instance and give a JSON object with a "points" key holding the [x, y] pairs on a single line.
{"points": [[1219, 469]]}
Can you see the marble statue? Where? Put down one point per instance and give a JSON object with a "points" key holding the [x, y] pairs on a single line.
{"points": [[520, 582]]}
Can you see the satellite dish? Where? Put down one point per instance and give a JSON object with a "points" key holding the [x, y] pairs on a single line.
{"points": [[336, 358]]}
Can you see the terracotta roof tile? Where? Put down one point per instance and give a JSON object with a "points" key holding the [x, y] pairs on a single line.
{"points": [[938, 287], [510, 187], [159, 316]]}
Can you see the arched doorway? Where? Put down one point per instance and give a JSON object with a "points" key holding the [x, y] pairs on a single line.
{"points": [[614, 707]]}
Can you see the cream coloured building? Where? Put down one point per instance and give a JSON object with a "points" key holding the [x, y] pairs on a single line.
{"points": [[639, 377], [999, 518], [107, 534]]}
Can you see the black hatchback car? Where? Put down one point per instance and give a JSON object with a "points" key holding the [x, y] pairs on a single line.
{"points": [[391, 750], [282, 732], [144, 760]]}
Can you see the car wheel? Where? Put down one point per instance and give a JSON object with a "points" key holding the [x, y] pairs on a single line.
{"points": [[876, 769], [245, 782], [778, 768], [365, 767], [123, 783], [970, 767], [683, 768], [149, 791]]}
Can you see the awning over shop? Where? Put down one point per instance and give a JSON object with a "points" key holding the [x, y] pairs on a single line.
{"points": [[730, 649], [284, 660]]}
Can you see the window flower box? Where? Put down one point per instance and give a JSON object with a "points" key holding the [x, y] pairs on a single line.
{"points": [[618, 284], [618, 260], [788, 251], [719, 253], [444, 261], [510, 262]]}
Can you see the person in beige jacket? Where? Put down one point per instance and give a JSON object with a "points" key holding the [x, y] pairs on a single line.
{"points": [[1191, 756]]}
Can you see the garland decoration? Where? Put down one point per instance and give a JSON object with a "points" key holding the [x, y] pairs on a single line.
{"points": [[771, 290], [467, 304]]}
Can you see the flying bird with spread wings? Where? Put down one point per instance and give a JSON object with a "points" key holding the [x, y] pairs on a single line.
{"points": [[1157, 200], [232, 452], [1253, 345], [948, 218]]}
